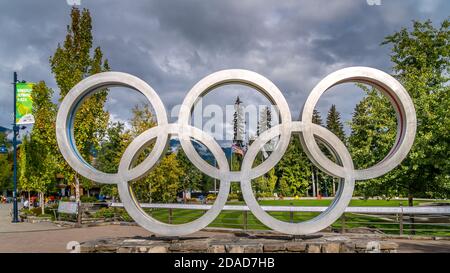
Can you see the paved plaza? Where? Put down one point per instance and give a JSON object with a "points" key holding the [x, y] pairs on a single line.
{"points": [[47, 237]]}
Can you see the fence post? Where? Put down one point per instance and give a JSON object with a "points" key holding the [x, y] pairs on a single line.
{"points": [[291, 214], [170, 216], [401, 221], [245, 220], [80, 214], [343, 223]]}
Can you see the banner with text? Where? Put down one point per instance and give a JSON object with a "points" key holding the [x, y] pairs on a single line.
{"points": [[24, 104]]}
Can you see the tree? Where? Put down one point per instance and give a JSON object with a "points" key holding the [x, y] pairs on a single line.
{"points": [[163, 182], [24, 183], [165, 179], [5, 166], [112, 148], [110, 153], [192, 177], [293, 170], [39, 163], [421, 64], [316, 173], [71, 63], [265, 184], [334, 123], [317, 119], [373, 129]]}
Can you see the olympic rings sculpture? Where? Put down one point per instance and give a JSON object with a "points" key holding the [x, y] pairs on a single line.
{"points": [[308, 131]]}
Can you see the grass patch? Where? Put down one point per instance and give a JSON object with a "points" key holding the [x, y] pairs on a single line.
{"points": [[388, 224]]}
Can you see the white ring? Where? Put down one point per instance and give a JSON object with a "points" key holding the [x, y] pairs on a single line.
{"points": [[402, 103]]}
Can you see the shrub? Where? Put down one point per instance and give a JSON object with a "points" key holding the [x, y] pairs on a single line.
{"points": [[88, 199], [264, 194], [233, 196], [211, 197], [192, 201], [108, 213], [46, 215]]}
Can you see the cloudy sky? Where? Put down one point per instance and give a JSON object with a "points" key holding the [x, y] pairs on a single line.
{"points": [[173, 44]]}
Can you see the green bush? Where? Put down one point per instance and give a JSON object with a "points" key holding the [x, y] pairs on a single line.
{"points": [[233, 196], [109, 213], [105, 213], [264, 194], [192, 201], [211, 197], [46, 215], [88, 199]]}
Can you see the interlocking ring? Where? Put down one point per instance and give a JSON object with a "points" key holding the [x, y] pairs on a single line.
{"points": [[307, 130]]}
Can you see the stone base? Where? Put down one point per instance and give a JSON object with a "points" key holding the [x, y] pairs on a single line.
{"points": [[244, 243], [35, 219]]}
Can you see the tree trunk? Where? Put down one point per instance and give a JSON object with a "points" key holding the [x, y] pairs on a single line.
{"points": [[42, 201], [313, 183], [411, 216], [77, 198], [29, 200], [334, 187], [77, 189], [317, 182]]}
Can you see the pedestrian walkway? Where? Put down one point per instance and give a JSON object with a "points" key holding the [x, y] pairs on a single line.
{"points": [[6, 226]]}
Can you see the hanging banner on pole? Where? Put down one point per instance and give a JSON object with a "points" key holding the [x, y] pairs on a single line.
{"points": [[24, 104]]}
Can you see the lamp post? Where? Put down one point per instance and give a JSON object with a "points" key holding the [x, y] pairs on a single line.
{"points": [[16, 130], [15, 134]]}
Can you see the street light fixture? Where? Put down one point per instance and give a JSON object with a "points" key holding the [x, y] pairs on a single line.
{"points": [[16, 130], [3, 149]]}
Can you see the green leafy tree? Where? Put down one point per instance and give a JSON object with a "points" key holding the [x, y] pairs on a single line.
{"points": [[110, 153], [71, 63], [293, 170], [335, 125], [163, 181], [40, 166], [373, 129], [24, 183], [192, 177], [265, 184], [5, 166], [421, 64]]}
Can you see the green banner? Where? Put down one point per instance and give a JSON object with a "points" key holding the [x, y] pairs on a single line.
{"points": [[24, 103]]}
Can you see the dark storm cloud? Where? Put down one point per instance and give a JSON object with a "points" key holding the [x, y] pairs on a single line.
{"points": [[173, 44]]}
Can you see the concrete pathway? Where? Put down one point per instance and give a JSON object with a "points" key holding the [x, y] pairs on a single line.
{"points": [[6, 226], [422, 246]]}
